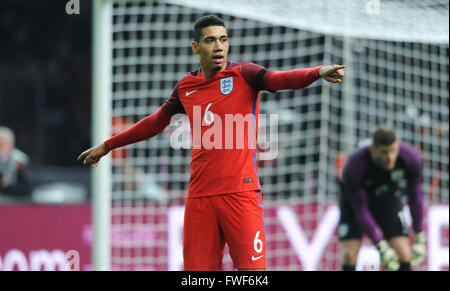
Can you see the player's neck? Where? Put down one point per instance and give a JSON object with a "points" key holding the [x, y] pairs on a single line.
{"points": [[211, 72]]}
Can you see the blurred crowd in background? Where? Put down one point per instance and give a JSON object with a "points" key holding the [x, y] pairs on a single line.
{"points": [[45, 84]]}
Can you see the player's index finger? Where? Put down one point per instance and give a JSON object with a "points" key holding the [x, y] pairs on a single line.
{"points": [[82, 155], [339, 67]]}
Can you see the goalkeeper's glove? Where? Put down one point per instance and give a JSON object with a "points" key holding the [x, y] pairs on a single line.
{"points": [[418, 249], [388, 257]]}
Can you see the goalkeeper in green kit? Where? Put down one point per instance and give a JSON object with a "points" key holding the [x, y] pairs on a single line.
{"points": [[374, 178]]}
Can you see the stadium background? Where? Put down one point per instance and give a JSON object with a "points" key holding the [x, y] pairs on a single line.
{"points": [[394, 75]]}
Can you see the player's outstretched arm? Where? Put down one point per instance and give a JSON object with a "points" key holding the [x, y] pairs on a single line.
{"points": [[144, 129], [302, 78], [93, 155]]}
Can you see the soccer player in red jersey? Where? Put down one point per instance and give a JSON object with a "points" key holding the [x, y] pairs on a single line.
{"points": [[224, 202]]}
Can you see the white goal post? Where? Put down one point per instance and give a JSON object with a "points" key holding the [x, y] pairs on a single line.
{"points": [[101, 130]]}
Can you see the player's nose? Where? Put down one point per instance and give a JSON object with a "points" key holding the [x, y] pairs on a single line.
{"points": [[392, 158], [218, 46], [390, 163]]}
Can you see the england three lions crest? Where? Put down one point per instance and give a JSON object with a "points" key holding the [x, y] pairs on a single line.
{"points": [[226, 85]]}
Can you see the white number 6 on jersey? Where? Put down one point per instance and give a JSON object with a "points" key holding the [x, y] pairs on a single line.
{"points": [[209, 116]]}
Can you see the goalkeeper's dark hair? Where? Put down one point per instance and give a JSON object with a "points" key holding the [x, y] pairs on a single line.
{"points": [[205, 21], [383, 136]]}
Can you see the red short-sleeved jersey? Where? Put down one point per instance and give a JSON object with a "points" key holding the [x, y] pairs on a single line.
{"points": [[223, 113]]}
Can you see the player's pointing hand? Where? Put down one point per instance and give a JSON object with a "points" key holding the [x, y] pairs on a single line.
{"points": [[93, 155], [333, 73]]}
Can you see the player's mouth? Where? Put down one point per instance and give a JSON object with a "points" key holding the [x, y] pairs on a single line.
{"points": [[388, 166], [218, 59]]}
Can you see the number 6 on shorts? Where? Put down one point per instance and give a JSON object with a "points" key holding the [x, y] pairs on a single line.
{"points": [[257, 243]]}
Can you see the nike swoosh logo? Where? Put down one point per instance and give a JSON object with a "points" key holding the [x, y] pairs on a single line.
{"points": [[189, 93], [257, 258]]}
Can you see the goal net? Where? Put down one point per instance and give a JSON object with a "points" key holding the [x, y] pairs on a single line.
{"points": [[396, 54]]}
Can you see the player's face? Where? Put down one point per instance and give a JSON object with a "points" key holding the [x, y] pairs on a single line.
{"points": [[212, 49], [385, 156]]}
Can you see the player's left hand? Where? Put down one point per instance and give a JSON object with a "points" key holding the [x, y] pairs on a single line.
{"points": [[388, 257], [93, 155], [418, 249], [333, 73]]}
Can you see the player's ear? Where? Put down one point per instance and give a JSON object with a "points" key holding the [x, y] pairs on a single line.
{"points": [[371, 149], [195, 47]]}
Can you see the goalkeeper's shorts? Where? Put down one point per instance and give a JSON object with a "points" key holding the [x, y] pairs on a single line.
{"points": [[389, 217], [236, 219]]}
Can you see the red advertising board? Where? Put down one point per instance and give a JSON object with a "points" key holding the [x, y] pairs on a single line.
{"points": [[299, 237], [38, 237]]}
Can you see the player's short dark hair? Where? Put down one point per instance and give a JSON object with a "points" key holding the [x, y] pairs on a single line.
{"points": [[205, 21], [383, 136]]}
